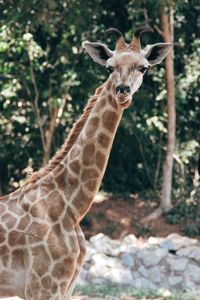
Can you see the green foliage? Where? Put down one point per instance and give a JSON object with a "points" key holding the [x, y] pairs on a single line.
{"points": [[187, 214]]}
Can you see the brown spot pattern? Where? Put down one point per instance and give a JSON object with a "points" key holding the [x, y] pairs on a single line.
{"points": [[81, 202], [39, 209], [25, 206], [60, 270], [103, 102], [45, 294], [72, 180], [57, 245], [36, 232], [54, 288], [2, 234], [2, 209], [4, 254], [91, 185], [57, 229], [4, 278], [92, 127], [3, 250], [33, 288], [89, 174], [23, 223], [9, 220], [16, 238], [75, 166], [41, 260], [74, 153], [46, 282], [109, 120], [55, 205], [104, 140], [112, 101], [18, 256], [31, 195], [69, 220], [88, 155], [61, 180], [100, 160]]}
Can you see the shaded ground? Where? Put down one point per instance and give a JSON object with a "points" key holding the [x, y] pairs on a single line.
{"points": [[117, 217]]}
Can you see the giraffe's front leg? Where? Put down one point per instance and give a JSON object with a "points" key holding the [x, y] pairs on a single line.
{"points": [[51, 285], [81, 240], [51, 267]]}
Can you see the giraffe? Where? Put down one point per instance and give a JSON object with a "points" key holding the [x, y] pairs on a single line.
{"points": [[41, 242]]}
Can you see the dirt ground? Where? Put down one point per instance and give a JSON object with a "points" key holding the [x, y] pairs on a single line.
{"points": [[117, 217]]}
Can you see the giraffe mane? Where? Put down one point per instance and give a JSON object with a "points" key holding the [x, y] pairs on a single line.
{"points": [[69, 142]]}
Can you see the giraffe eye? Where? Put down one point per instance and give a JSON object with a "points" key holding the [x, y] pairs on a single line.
{"points": [[110, 69], [142, 69]]}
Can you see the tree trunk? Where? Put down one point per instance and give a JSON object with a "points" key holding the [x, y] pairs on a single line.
{"points": [[167, 32], [49, 136], [167, 21]]}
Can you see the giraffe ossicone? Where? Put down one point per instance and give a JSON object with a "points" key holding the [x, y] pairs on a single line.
{"points": [[41, 242]]}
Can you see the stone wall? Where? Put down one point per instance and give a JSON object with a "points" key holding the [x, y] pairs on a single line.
{"points": [[169, 263]]}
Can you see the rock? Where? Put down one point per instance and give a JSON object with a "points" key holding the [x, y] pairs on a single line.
{"points": [[195, 253], [105, 245], [184, 251], [127, 259], [143, 283], [177, 264], [174, 280], [144, 271], [130, 239], [90, 253], [116, 275], [175, 241], [156, 263], [95, 273], [151, 257], [193, 273], [155, 241], [190, 252], [154, 273], [99, 260]]}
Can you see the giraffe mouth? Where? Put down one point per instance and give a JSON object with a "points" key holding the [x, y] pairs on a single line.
{"points": [[124, 100], [126, 103]]}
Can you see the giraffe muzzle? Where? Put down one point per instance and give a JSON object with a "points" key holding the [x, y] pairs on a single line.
{"points": [[123, 89]]}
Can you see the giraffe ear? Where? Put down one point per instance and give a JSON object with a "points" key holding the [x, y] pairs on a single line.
{"points": [[99, 52], [157, 53]]}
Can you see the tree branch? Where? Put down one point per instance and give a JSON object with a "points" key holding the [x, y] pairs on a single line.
{"points": [[158, 30], [36, 106]]}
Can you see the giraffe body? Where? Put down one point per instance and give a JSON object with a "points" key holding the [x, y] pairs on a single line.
{"points": [[41, 243]]}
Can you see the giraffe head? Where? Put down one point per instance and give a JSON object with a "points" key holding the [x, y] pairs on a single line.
{"points": [[128, 63]]}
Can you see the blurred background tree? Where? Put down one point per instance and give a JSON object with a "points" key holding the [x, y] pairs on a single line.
{"points": [[46, 79]]}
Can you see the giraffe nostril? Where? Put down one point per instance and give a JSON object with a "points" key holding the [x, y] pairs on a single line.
{"points": [[123, 89]]}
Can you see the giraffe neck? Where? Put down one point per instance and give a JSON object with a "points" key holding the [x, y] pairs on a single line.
{"points": [[81, 171]]}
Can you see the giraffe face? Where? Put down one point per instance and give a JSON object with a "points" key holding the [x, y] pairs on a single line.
{"points": [[127, 66], [126, 72]]}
